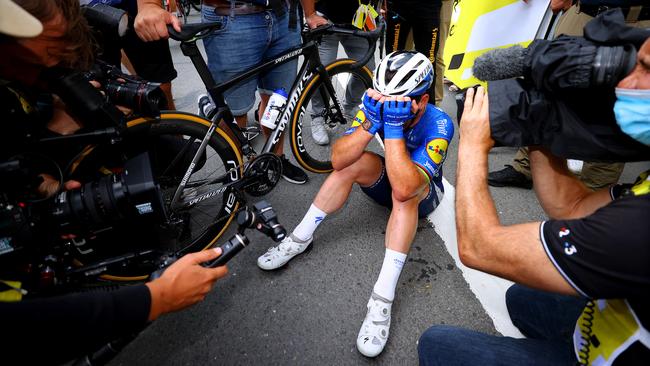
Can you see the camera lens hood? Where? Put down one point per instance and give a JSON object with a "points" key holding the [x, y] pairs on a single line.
{"points": [[612, 64]]}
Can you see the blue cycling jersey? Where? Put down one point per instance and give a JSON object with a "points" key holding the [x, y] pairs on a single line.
{"points": [[426, 142]]}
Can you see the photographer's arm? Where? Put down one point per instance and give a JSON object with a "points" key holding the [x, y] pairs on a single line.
{"points": [[513, 252], [561, 194], [83, 322]]}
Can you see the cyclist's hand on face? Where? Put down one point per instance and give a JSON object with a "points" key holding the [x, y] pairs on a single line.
{"points": [[184, 283], [50, 186], [314, 20], [151, 22], [372, 102], [396, 112]]}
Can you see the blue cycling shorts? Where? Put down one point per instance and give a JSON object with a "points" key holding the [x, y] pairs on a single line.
{"points": [[382, 192]]}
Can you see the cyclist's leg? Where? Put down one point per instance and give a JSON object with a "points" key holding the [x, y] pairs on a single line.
{"points": [[331, 197], [366, 172], [356, 48], [235, 48]]}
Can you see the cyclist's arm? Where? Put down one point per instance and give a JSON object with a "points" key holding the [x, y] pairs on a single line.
{"points": [[349, 148], [560, 193], [407, 179], [151, 22]]}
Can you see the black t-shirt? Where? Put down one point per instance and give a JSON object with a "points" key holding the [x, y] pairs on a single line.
{"points": [[54, 330], [338, 11], [606, 255], [21, 118]]}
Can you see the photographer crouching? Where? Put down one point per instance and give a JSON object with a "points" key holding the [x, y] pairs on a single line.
{"points": [[56, 329], [582, 292]]}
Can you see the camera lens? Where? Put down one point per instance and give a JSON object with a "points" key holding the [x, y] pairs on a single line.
{"points": [[132, 194]]}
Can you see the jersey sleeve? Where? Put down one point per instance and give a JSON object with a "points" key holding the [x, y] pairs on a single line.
{"points": [[606, 254], [357, 120], [431, 154]]}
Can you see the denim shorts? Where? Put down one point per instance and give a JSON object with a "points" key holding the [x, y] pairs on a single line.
{"points": [[382, 193], [244, 42]]}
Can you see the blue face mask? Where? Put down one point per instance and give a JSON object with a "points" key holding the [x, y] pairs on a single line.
{"points": [[632, 110]]}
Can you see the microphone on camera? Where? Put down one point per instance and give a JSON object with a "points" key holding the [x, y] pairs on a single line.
{"points": [[501, 63]]}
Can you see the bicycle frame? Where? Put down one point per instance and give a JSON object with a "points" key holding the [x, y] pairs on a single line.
{"points": [[312, 64]]}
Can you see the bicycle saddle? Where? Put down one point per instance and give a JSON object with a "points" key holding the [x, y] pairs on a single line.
{"points": [[194, 30]]}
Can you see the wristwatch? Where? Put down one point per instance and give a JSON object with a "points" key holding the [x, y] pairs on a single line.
{"points": [[366, 125]]}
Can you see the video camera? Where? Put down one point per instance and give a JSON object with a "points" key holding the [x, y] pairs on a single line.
{"points": [[30, 225], [560, 94], [130, 91]]}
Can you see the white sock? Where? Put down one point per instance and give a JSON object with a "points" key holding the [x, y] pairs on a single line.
{"points": [[390, 271], [305, 230]]}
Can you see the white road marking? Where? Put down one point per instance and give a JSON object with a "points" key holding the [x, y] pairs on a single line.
{"points": [[488, 289]]}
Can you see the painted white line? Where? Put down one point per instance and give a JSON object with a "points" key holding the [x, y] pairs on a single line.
{"points": [[489, 290]]}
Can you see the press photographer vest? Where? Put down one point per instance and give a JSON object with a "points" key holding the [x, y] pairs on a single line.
{"points": [[611, 332]]}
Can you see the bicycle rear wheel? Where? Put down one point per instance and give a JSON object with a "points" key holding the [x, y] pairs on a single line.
{"points": [[172, 141], [315, 113]]}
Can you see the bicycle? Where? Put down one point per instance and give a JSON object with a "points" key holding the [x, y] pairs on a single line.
{"points": [[312, 79], [205, 180]]}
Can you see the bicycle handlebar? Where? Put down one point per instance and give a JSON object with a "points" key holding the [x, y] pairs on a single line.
{"points": [[370, 36]]}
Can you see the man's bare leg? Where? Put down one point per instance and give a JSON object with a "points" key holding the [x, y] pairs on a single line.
{"points": [[331, 197]]}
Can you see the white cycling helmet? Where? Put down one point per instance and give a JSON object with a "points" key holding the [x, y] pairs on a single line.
{"points": [[403, 73]]}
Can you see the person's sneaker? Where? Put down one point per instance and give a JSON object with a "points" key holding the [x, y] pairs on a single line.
{"points": [[279, 255], [292, 173], [205, 105], [373, 334], [509, 177], [318, 131]]}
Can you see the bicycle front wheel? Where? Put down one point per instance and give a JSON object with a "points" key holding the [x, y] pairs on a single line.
{"points": [[171, 142], [314, 124]]}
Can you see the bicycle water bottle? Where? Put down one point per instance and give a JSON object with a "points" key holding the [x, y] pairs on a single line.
{"points": [[272, 111]]}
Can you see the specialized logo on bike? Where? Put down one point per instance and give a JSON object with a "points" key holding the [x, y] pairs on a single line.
{"points": [[291, 105], [288, 56], [437, 148]]}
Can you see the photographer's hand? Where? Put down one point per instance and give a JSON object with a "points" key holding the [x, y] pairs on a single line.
{"points": [[151, 22], [50, 186], [184, 283], [475, 123]]}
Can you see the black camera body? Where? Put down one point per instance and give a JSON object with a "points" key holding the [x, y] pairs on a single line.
{"points": [[560, 94], [32, 229]]}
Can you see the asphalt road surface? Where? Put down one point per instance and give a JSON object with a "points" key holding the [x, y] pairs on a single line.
{"points": [[309, 313]]}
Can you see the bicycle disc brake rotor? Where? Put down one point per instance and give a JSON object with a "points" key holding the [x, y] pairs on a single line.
{"points": [[264, 173]]}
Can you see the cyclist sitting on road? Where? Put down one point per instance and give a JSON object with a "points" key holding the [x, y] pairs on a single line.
{"points": [[408, 178]]}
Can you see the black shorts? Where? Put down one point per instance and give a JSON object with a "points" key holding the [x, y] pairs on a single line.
{"points": [[152, 60], [382, 193]]}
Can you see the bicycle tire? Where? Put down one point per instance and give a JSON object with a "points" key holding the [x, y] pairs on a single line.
{"points": [[174, 124], [309, 154]]}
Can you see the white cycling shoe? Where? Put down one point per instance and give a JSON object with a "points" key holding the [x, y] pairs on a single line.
{"points": [[279, 255], [373, 334], [318, 131]]}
